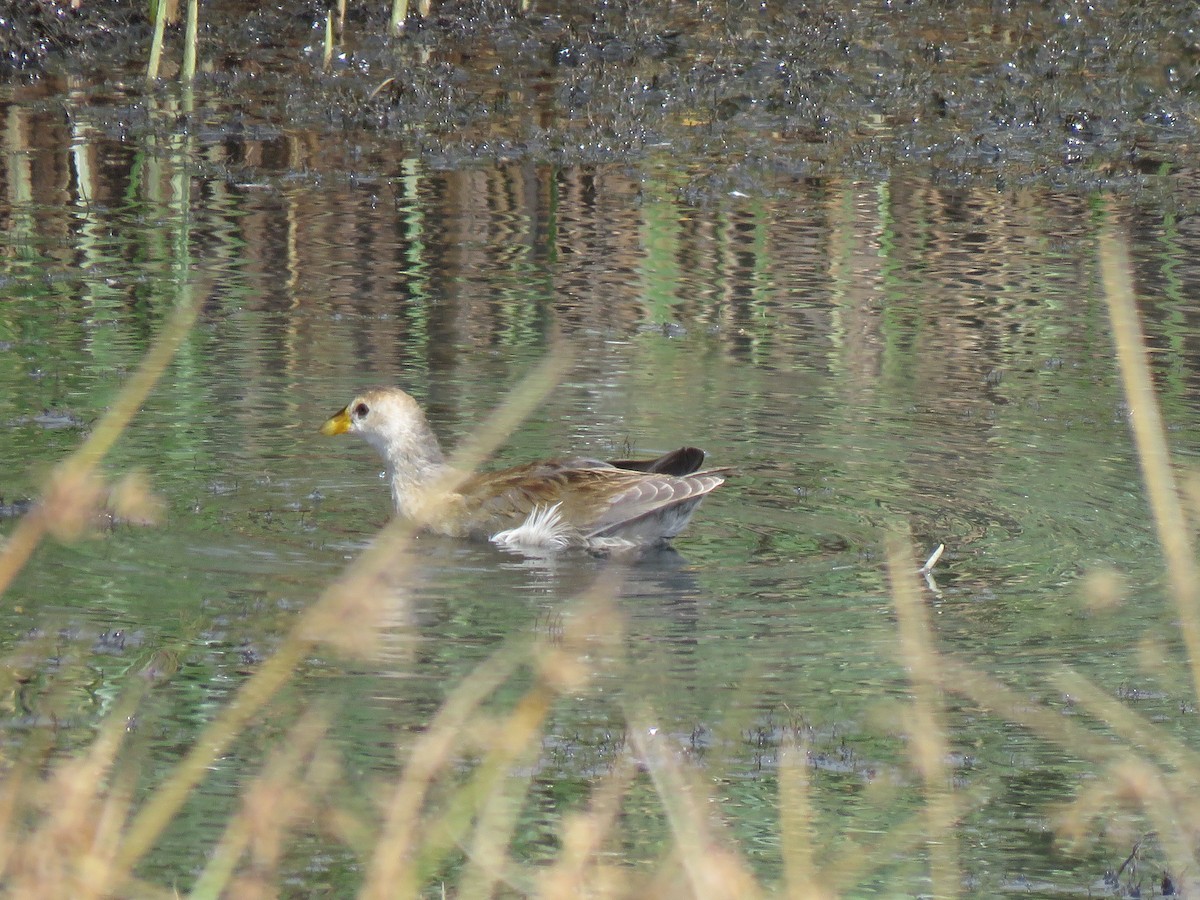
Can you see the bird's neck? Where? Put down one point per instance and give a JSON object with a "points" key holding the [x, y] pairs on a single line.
{"points": [[414, 463]]}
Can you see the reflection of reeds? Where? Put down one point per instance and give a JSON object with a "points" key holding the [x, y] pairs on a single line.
{"points": [[72, 827]]}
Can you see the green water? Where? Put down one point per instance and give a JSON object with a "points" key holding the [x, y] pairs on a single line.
{"points": [[867, 355]]}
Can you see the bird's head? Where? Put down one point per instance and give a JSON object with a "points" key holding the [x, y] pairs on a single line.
{"points": [[389, 420]]}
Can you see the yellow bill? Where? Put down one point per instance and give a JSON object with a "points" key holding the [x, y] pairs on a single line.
{"points": [[338, 424]]}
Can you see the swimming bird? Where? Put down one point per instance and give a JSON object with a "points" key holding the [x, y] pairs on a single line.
{"points": [[550, 504]]}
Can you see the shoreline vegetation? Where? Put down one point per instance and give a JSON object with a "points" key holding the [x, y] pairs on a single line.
{"points": [[78, 824]]}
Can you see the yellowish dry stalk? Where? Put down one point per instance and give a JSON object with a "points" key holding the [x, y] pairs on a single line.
{"points": [[927, 736], [1134, 781], [577, 871], [169, 796], [156, 42], [403, 853], [797, 826], [1127, 778], [852, 861], [517, 406], [711, 869], [495, 787], [327, 52], [1046, 723], [1147, 738], [399, 15], [391, 870], [187, 71], [1165, 798], [13, 787], [71, 489], [80, 819], [270, 805], [1191, 495], [1150, 438], [81, 811]]}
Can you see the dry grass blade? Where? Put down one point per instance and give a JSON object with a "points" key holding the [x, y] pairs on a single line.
{"points": [[1136, 782], [1048, 724], [156, 42], [797, 827], [517, 407], [711, 870], [927, 734], [854, 861], [517, 745], [1163, 797], [1127, 777], [399, 16], [327, 52], [1150, 439], [492, 798], [169, 796], [1141, 734], [72, 483], [80, 811], [187, 72], [409, 846], [270, 805], [578, 871], [391, 869]]}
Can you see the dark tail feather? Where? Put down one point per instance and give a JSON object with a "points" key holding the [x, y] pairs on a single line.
{"points": [[683, 461]]}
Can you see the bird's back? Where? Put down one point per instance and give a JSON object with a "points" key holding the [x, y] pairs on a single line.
{"points": [[593, 500]]}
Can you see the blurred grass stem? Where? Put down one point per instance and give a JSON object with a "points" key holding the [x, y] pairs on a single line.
{"points": [[927, 734], [78, 470], [391, 873], [278, 777], [796, 825], [1150, 438], [710, 870]]}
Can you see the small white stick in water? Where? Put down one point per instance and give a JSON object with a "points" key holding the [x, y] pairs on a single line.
{"points": [[932, 561]]}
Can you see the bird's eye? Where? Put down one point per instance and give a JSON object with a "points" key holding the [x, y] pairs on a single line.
{"points": [[360, 411]]}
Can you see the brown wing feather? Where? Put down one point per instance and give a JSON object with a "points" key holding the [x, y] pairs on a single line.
{"points": [[492, 501], [596, 497], [653, 494]]}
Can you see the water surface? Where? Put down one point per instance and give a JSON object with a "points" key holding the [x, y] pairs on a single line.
{"points": [[870, 355]]}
